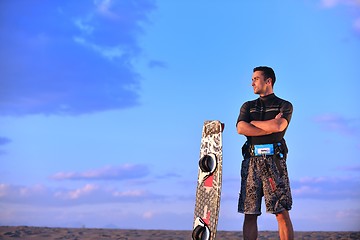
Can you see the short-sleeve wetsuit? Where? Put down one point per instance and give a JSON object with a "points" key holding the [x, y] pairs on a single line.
{"points": [[265, 108], [257, 170]]}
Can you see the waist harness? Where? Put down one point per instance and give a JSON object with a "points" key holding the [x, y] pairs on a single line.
{"points": [[278, 149]]}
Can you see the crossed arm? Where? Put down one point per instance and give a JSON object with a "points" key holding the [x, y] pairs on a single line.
{"points": [[260, 128]]}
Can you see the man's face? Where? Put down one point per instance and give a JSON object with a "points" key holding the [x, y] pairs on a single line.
{"points": [[259, 83]]}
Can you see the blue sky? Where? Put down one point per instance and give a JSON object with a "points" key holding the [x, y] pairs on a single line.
{"points": [[102, 104]]}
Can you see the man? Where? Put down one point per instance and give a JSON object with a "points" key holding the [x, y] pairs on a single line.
{"points": [[263, 171]]}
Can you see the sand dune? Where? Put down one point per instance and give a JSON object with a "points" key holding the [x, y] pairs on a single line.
{"points": [[42, 233]]}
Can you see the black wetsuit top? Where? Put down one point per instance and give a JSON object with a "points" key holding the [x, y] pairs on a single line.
{"points": [[265, 108]]}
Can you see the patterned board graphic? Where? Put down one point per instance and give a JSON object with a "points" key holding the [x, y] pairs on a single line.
{"points": [[208, 191]]}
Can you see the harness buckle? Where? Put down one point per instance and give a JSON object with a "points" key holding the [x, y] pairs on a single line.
{"points": [[263, 149]]}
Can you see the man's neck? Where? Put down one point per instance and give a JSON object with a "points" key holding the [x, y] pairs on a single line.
{"points": [[266, 93]]}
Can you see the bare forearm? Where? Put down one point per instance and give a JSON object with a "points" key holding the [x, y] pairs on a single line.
{"points": [[273, 125], [250, 130]]}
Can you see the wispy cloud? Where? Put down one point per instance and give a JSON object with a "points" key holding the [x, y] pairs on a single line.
{"points": [[4, 140], [169, 175], [87, 194], [157, 64], [357, 24], [333, 3], [70, 58], [14, 193], [355, 168], [340, 124], [124, 172], [109, 53], [352, 5], [330, 188], [126, 215]]}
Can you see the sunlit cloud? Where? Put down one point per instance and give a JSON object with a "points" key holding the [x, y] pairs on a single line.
{"points": [[96, 194], [124, 172], [77, 193]]}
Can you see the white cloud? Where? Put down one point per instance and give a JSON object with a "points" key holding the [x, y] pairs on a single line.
{"points": [[123, 172]]}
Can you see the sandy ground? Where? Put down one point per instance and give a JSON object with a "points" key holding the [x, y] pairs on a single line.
{"points": [[42, 233]]}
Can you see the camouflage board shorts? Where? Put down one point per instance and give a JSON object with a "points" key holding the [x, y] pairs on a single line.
{"points": [[264, 176]]}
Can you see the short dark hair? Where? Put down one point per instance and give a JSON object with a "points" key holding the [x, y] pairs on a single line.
{"points": [[268, 73]]}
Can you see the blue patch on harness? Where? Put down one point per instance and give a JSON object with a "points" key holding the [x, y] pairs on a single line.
{"points": [[263, 149]]}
